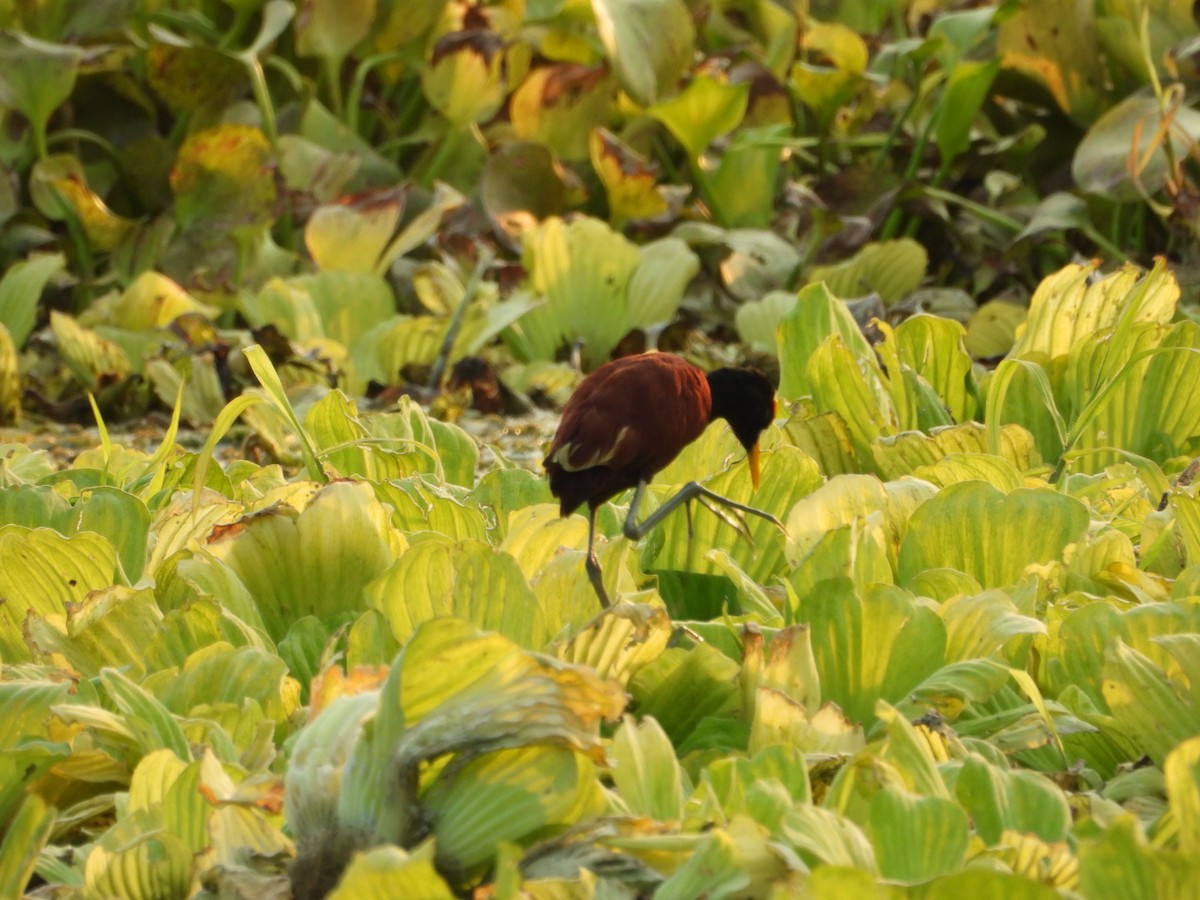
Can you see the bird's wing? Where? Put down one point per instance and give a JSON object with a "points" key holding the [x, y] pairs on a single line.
{"points": [[588, 439]]}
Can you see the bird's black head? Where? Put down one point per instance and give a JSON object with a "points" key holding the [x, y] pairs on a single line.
{"points": [[745, 399]]}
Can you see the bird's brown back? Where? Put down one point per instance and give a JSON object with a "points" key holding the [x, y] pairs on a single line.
{"points": [[625, 423]]}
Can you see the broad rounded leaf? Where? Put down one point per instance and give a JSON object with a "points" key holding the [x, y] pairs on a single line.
{"points": [[993, 537], [648, 43]]}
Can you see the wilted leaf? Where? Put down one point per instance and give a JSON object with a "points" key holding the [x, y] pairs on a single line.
{"points": [[559, 107], [224, 178], [1122, 154], [463, 76], [58, 186], [352, 234], [522, 185], [630, 182], [1066, 61]]}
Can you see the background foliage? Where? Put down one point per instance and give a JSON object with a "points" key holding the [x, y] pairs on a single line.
{"points": [[360, 663]]}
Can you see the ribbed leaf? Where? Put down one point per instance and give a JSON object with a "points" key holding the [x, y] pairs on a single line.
{"points": [[41, 571], [315, 563], [999, 799], [1182, 774], [975, 528], [645, 771], [917, 838], [890, 269], [787, 475], [1150, 708], [1070, 305], [877, 643], [815, 315], [152, 723], [25, 836], [463, 579], [384, 873]]}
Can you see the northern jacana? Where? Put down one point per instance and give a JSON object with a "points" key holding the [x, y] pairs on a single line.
{"points": [[628, 419]]}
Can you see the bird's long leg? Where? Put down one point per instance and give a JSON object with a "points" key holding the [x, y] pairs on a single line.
{"points": [[595, 575], [635, 530]]}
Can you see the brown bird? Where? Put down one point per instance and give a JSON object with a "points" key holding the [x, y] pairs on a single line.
{"points": [[628, 419]]}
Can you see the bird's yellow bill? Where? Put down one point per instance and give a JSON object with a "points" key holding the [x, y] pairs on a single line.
{"points": [[754, 466]]}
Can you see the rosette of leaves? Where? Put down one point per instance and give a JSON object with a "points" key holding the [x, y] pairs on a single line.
{"points": [[597, 286], [471, 741]]}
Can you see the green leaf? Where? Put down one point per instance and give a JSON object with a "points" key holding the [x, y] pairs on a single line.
{"points": [[382, 873], [645, 771], [787, 475], [966, 89], [1119, 863], [1019, 393], [681, 688], [951, 454], [438, 579], [933, 348], [1149, 707], [856, 389], [1182, 774], [352, 236], [20, 290], [113, 626], [583, 269], [332, 28], [917, 838], [1130, 130], [998, 800], [40, 572], [741, 189], [979, 625], [1071, 304], [870, 644], [707, 109], [37, 78], [992, 329], [648, 43], [816, 315], [988, 884], [24, 839], [265, 372], [149, 720], [993, 537], [508, 795], [823, 837], [317, 562], [454, 690], [657, 284], [890, 269]]}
